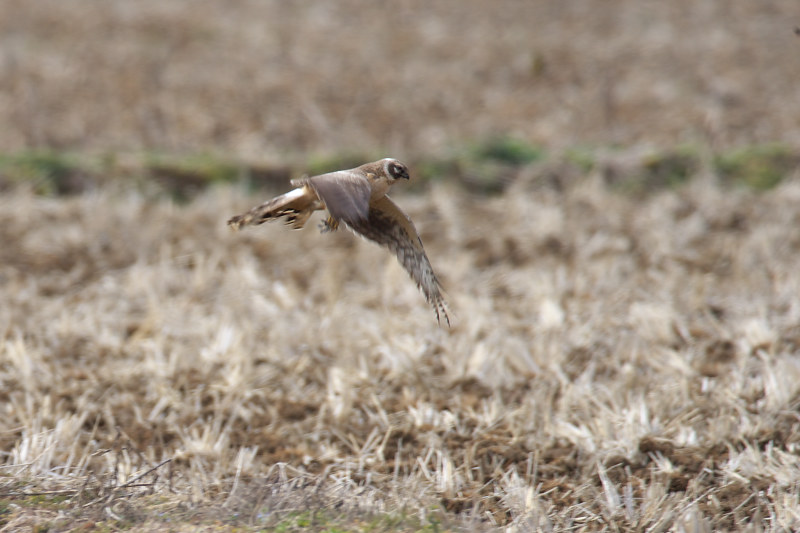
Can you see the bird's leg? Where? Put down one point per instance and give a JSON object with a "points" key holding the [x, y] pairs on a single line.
{"points": [[328, 225]]}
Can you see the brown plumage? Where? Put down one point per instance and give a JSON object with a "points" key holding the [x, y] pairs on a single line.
{"points": [[358, 198]]}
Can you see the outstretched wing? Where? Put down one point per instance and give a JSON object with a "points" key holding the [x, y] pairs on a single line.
{"points": [[389, 226], [345, 194]]}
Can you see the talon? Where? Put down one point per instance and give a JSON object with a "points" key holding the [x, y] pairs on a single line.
{"points": [[331, 224]]}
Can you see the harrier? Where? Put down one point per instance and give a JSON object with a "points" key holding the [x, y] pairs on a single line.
{"points": [[358, 198]]}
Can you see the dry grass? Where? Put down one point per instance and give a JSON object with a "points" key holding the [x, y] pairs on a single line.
{"points": [[615, 362]]}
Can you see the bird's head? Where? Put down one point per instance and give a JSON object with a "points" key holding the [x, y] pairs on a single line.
{"points": [[394, 169]]}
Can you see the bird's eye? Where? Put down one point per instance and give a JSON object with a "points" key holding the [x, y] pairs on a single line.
{"points": [[398, 171]]}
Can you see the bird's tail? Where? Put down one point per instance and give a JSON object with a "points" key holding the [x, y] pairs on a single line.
{"points": [[295, 205]]}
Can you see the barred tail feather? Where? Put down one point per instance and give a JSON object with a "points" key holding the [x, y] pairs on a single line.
{"points": [[294, 205]]}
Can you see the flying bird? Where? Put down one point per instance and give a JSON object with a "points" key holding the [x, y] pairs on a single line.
{"points": [[357, 197]]}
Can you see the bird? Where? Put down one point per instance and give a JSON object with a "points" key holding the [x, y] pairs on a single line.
{"points": [[358, 198]]}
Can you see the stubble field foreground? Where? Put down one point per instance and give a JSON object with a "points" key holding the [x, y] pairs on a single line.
{"points": [[616, 362]]}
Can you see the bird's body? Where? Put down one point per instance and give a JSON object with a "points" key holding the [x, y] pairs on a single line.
{"points": [[358, 198]]}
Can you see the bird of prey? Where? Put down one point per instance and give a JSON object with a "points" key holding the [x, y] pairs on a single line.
{"points": [[358, 198]]}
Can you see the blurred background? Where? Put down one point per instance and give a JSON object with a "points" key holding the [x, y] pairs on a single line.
{"points": [[268, 79], [607, 343]]}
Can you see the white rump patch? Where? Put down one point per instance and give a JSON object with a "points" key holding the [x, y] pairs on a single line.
{"points": [[294, 193]]}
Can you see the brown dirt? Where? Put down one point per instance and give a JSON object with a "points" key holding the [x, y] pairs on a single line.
{"points": [[266, 79]]}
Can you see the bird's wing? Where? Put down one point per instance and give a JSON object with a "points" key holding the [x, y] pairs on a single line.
{"points": [[345, 194], [389, 226]]}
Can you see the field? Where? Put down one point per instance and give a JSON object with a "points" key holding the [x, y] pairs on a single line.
{"points": [[609, 197]]}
